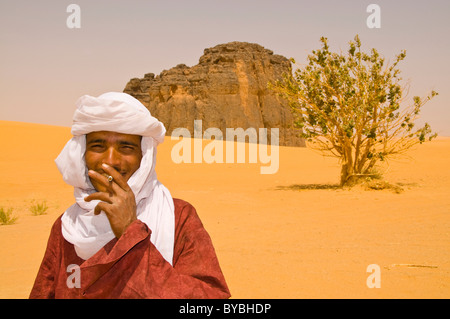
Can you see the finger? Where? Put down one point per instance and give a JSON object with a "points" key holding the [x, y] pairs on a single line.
{"points": [[102, 196], [117, 177], [101, 207], [103, 180], [97, 210]]}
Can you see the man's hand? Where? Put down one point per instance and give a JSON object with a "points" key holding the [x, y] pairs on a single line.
{"points": [[118, 201]]}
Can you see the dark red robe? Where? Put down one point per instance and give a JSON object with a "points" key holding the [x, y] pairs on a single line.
{"points": [[132, 267]]}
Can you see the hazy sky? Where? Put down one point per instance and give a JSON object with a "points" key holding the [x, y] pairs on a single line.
{"points": [[45, 66]]}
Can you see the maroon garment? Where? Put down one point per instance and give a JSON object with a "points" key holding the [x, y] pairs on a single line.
{"points": [[132, 267]]}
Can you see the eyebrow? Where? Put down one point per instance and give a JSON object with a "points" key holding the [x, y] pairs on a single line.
{"points": [[128, 143], [101, 141], [98, 140]]}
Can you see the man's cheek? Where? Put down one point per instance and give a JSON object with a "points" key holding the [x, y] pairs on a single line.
{"points": [[91, 160]]}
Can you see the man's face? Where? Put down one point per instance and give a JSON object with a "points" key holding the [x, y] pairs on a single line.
{"points": [[120, 151]]}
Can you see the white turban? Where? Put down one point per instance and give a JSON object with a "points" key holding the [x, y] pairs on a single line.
{"points": [[121, 113]]}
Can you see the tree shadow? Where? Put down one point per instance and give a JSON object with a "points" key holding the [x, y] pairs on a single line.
{"points": [[299, 187], [372, 185]]}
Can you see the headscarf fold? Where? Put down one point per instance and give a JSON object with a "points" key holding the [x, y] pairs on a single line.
{"points": [[121, 113]]}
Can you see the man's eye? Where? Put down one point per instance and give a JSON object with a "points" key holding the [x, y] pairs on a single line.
{"points": [[96, 146], [127, 148]]}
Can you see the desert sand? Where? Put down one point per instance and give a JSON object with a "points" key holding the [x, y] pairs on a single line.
{"points": [[284, 235]]}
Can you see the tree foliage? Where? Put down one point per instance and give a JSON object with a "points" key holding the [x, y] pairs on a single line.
{"points": [[349, 106]]}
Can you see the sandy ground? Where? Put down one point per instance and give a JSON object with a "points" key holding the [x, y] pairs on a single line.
{"points": [[274, 236]]}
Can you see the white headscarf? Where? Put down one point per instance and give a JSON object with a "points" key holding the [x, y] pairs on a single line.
{"points": [[121, 113]]}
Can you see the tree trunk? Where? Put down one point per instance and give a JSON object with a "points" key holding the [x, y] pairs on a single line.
{"points": [[346, 173], [347, 164]]}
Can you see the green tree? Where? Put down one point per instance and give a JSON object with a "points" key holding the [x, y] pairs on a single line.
{"points": [[348, 106]]}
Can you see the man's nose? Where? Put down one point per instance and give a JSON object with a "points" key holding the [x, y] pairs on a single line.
{"points": [[112, 158]]}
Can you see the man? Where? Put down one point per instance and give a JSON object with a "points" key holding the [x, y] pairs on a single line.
{"points": [[125, 237]]}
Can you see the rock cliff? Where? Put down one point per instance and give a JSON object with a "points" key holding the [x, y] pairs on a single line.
{"points": [[226, 89]]}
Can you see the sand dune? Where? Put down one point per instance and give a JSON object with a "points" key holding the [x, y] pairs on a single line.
{"points": [[275, 236]]}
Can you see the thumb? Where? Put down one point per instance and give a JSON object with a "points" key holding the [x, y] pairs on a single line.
{"points": [[100, 207]]}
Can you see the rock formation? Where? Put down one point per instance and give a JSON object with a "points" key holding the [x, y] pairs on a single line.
{"points": [[226, 89]]}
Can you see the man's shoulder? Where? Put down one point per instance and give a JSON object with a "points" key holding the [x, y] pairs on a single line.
{"points": [[57, 225], [184, 211], [181, 204]]}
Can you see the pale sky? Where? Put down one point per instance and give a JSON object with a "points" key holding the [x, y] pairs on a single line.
{"points": [[45, 66]]}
